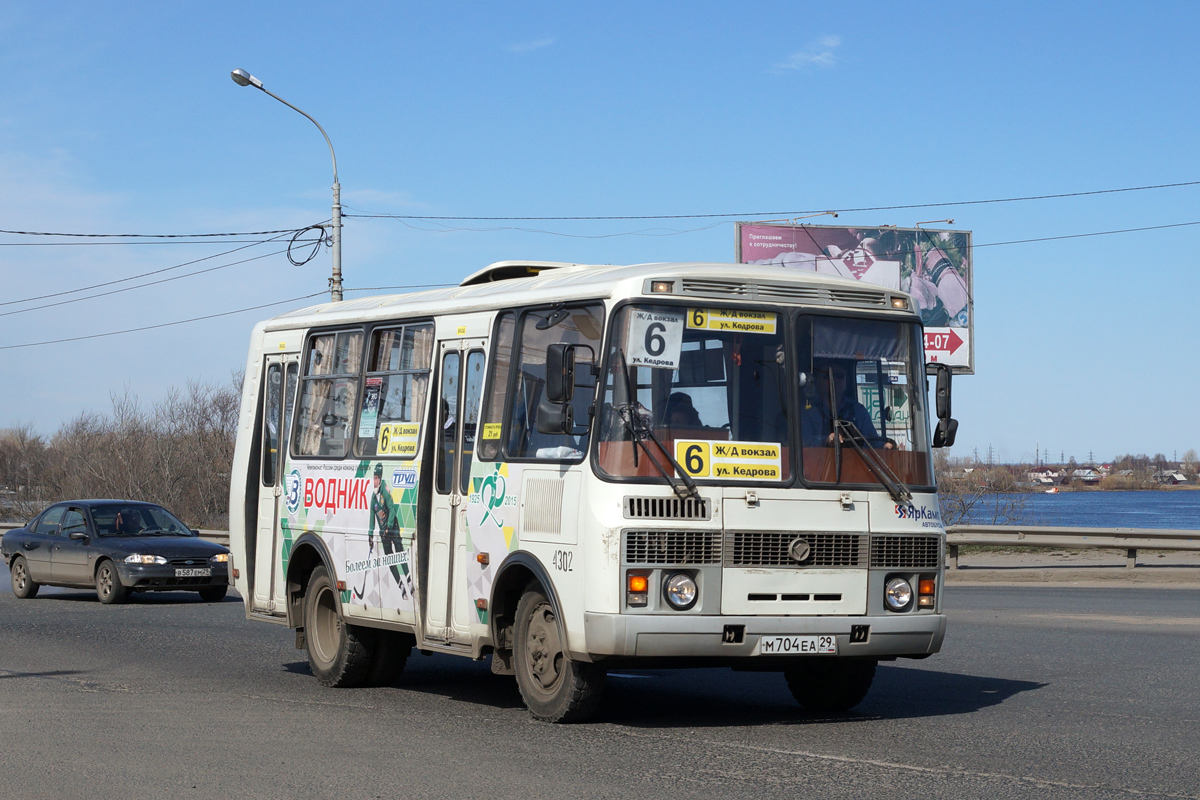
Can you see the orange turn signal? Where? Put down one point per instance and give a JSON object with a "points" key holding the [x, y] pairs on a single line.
{"points": [[638, 583], [483, 558], [481, 604], [927, 586], [341, 586]]}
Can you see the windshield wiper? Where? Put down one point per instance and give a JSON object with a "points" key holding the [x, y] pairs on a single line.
{"points": [[878, 467], [639, 431]]}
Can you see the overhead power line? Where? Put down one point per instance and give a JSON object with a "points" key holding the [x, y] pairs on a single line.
{"points": [[789, 213], [150, 235], [1084, 235], [173, 242], [146, 274], [162, 325], [142, 285]]}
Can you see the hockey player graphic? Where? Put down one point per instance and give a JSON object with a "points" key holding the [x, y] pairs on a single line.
{"points": [[385, 516]]}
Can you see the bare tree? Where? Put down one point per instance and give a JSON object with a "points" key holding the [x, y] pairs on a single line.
{"points": [[177, 453], [979, 495]]}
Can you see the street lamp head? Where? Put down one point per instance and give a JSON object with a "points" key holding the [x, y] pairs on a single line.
{"points": [[243, 78]]}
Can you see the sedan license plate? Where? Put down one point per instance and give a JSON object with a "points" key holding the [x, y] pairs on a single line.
{"points": [[185, 572], [797, 645]]}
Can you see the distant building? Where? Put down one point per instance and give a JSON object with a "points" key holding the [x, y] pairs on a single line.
{"points": [[1086, 476], [1170, 477], [1042, 476]]}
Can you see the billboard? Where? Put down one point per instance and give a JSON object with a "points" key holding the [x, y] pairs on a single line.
{"points": [[934, 266]]}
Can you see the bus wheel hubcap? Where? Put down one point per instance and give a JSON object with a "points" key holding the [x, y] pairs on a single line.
{"points": [[544, 647]]}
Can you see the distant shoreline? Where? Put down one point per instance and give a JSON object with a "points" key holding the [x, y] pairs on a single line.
{"points": [[1061, 489]]}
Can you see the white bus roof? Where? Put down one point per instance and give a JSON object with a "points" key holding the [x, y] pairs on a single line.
{"points": [[520, 283]]}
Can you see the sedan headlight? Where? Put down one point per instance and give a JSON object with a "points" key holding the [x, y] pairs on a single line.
{"points": [[137, 558], [680, 591], [898, 594], [220, 558]]}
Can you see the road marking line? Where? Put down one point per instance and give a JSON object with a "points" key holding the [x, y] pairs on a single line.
{"points": [[949, 771]]}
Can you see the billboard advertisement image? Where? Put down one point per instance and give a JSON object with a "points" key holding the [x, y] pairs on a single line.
{"points": [[934, 266]]}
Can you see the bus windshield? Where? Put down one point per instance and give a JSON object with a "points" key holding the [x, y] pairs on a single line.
{"points": [[862, 387], [843, 401]]}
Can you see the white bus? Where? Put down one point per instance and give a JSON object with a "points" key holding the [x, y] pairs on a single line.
{"points": [[577, 468]]}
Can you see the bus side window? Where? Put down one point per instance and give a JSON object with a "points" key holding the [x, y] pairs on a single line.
{"points": [[397, 383], [581, 326], [328, 393], [488, 446], [271, 415]]}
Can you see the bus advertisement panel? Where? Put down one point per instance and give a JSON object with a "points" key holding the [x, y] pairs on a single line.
{"points": [[934, 266]]}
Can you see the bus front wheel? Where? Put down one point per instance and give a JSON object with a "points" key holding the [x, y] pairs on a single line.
{"points": [[827, 685], [340, 655], [555, 688]]}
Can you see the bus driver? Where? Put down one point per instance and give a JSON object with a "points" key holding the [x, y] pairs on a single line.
{"points": [[817, 422]]}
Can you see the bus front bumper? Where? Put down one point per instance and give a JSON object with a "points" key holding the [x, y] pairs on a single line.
{"points": [[667, 636]]}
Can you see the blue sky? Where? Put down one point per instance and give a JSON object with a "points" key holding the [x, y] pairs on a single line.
{"points": [[121, 118]]}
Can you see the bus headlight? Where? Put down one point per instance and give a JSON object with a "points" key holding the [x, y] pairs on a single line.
{"points": [[898, 594], [680, 591]]}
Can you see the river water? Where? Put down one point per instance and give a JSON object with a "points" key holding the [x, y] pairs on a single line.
{"points": [[1152, 509]]}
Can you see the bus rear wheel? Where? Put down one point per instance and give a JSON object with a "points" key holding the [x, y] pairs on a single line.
{"points": [[340, 655], [828, 685], [554, 688]]}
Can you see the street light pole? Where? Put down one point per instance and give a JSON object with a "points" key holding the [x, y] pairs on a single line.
{"points": [[243, 78]]}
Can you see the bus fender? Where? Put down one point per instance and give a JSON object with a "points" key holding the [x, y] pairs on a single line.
{"points": [[514, 574], [308, 552]]}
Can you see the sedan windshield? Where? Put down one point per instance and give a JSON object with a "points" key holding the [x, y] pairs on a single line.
{"points": [[137, 519]]}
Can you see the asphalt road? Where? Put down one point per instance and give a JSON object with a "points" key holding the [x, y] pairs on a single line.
{"points": [[1045, 692]]}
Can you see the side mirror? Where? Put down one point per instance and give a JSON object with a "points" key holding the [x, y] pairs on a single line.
{"points": [[80, 535], [942, 392], [944, 433], [555, 418], [560, 374]]}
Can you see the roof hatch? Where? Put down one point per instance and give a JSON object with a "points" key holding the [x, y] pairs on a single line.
{"points": [[506, 270]]}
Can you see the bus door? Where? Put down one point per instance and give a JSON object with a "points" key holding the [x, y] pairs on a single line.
{"points": [[460, 385], [279, 394]]}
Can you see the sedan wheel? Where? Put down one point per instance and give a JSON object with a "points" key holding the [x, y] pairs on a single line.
{"points": [[109, 588], [22, 585]]}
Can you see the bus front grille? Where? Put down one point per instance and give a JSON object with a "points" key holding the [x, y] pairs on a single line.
{"points": [[672, 548], [773, 549], [905, 552], [666, 508]]}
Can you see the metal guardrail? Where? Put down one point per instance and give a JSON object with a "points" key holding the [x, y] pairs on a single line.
{"points": [[1128, 539], [220, 537]]}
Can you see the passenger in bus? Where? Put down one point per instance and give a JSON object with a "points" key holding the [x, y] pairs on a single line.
{"points": [[680, 413], [816, 420]]}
